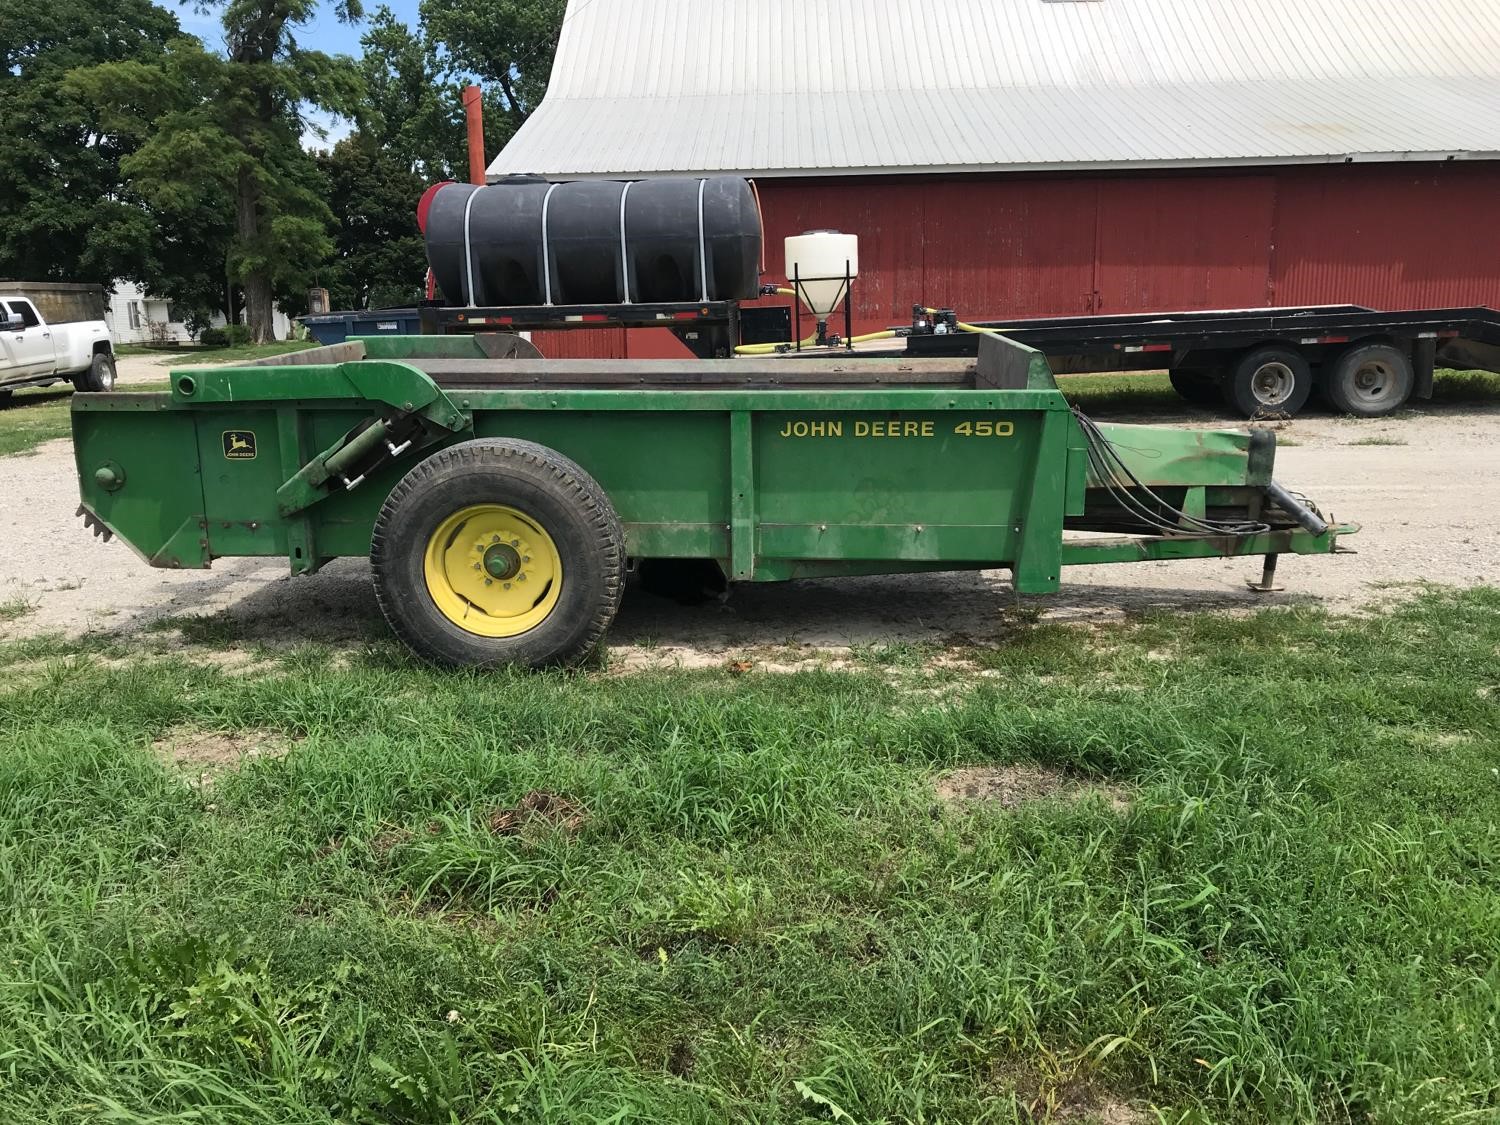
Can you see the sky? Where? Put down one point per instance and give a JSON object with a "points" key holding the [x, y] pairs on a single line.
{"points": [[323, 33]]}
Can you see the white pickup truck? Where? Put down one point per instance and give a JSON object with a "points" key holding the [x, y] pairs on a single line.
{"points": [[35, 353]]}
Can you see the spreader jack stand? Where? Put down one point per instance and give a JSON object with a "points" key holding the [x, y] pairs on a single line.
{"points": [[1267, 583]]}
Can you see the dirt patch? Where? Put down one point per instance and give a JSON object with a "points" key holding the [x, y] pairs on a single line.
{"points": [[1079, 1104], [1010, 787], [210, 753], [538, 808], [1053, 1099]]}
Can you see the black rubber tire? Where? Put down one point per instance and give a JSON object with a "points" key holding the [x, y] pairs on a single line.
{"points": [[1197, 386], [1246, 395], [1386, 371], [99, 377], [549, 488]]}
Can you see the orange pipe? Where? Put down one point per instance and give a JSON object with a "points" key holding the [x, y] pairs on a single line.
{"points": [[474, 118]]}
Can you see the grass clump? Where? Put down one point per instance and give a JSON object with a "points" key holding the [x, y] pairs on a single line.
{"points": [[713, 896], [15, 608]]}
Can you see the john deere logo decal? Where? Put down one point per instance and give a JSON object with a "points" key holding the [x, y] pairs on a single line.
{"points": [[239, 445]]}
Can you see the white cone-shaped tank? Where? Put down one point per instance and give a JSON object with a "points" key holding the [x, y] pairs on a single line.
{"points": [[821, 261]]}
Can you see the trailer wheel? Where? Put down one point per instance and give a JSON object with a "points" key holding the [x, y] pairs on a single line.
{"points": [[99, 377], [1269, 381], [1196, 385], [498, 551], [1369, 381]]}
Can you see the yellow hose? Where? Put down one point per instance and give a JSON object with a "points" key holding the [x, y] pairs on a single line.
{"points": [[767, 349], [811, 341], [962, 327]]}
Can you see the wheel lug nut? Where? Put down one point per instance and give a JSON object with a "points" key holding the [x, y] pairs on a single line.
{"points": [[515, 542], [489, 581]]}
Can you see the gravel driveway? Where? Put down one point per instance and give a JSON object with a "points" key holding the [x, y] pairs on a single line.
{"points": [[1430, 510]]}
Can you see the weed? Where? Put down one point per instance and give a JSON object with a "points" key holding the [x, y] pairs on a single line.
{"points": [[16, 607]]}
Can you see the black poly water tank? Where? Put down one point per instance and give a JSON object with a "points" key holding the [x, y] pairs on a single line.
{"points": [[522, 241]]}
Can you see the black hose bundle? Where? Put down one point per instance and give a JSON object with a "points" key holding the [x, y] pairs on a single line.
{"points": [[1127, 490]]}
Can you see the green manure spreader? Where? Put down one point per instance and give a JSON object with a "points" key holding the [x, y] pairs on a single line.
{"points": [[502, 499]]}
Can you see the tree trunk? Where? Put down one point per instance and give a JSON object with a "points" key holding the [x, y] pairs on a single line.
{"points": [[255, 283]]}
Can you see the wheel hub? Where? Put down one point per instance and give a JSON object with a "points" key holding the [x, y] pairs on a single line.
{"points": [[1370, 380], [492, 570], [501, 560], [1273, 384]]}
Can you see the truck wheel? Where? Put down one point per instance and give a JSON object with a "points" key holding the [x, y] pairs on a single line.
{"points": [[99, 377], [1269, 381], [1196, 385], [1369, 381], [497, 551]]}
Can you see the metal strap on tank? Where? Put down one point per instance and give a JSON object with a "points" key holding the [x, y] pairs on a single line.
{"points": [[468, 247], [624, 256], [546, 257], [702, 247]]}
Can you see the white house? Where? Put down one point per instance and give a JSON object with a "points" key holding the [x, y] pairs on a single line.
{"points": [[136, 317]]}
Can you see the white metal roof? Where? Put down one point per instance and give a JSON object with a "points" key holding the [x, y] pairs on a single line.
{"points": [[787, 87]]}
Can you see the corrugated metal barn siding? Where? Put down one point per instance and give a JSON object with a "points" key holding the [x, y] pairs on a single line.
{"points": [[1013, 245], [1167, 244], [1388, 236]]}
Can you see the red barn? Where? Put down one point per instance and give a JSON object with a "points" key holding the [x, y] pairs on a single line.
{"points": [[1040, 157]]}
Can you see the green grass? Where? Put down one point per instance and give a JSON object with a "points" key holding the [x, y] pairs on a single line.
{"points": [[31, 416], [1150, 392], [1127, 392], [34, 415], [14, 608], [1464, 387], [196, 354], [37, 414], [763, 913], [1378, 439]]}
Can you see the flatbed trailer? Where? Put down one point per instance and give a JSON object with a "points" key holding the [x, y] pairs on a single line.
{"points": [[1259, 361], [1266, 362], [502, 499]]}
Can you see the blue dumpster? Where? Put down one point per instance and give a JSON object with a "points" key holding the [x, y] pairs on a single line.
{"points": [[336, 327]]}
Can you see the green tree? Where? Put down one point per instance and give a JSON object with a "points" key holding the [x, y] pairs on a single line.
{"points": [[413, 107], [379, 257], [67, 211], [224, 134], [507, 44]]}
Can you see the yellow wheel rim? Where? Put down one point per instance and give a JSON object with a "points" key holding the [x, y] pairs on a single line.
{"points": [[493, 570]]}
